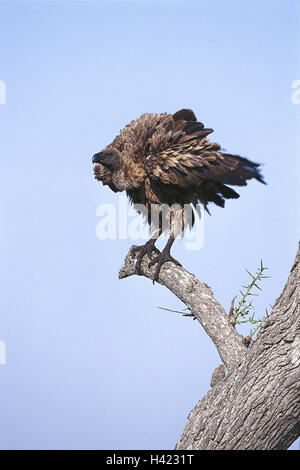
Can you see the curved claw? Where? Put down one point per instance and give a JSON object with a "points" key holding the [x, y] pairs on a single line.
{"points": [[143, 250], [134, 249], [162, 258]]}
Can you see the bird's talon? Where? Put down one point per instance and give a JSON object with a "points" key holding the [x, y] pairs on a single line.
{"points": [[143, 250], [134, 251], [153, 262], [161, 259]]}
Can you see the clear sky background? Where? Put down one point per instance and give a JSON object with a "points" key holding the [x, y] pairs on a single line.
{"points": [[92, 363]]}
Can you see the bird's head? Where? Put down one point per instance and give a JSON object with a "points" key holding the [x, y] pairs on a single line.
{"points": [[109, 158], [105, 164], [110, 168]]}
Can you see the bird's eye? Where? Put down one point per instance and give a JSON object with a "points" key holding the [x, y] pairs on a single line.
{"points": [[109, 154]]}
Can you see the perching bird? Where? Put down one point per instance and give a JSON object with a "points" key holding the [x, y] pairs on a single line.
{"points": [[165, 160]]}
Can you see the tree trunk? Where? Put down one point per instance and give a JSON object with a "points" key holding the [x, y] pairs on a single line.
{"points": [[257, 405]]}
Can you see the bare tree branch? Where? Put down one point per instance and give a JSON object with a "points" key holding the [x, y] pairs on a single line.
{"points": [[199, 299], [257, 405]]}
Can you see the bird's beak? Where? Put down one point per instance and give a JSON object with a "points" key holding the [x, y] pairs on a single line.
{"points": [[97, 157]]}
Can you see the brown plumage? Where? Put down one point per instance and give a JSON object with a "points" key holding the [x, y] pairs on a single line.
{"points": [[163, 159]]}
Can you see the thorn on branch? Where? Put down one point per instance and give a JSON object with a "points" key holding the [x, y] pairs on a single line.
{"points": [[182, 312], [244, 311]]}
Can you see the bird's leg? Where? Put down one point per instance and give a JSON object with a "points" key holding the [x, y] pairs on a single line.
{"points": [[143, 250], [163, 257]]}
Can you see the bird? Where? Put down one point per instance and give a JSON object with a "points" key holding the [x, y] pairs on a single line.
{"points": [[167, 165]]}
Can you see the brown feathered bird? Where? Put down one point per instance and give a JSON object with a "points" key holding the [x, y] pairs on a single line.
{"points": [[165, 160]]}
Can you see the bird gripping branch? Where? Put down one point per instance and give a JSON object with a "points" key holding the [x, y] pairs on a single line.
{"points": [[167, 166]]}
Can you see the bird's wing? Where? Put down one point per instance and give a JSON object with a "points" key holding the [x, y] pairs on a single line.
{"points": [[180, 156]]}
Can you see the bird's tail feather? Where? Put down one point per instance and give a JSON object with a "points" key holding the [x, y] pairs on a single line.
{"points": [[240, 169]]}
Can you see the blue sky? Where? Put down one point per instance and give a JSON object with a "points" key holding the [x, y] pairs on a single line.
{"points": [[91, 361]]}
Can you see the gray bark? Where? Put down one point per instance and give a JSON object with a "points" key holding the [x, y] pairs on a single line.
{"points": [[257, 405], [199, 299]]}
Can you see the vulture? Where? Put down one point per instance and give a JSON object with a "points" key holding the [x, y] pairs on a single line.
{"points": [[166, 165]]}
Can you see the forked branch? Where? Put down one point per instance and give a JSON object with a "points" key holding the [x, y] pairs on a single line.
{"points": [[256, 406]]}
